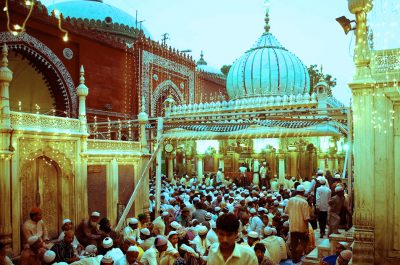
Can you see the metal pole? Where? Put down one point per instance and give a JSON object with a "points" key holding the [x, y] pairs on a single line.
{"points": [[158, 164]]}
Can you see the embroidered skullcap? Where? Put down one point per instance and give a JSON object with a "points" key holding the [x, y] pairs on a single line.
{"points": [[36, 210], [107, 242], [65, 221], [208, 216], [145, 231], [202, 230], [95, 214], [133, 249], [133, 221], [49, 256], [300, 188], [338, 188], [32, 240], [160, 241], [268, 231], [253, 234], [107, 259], [91, 249], [346, 254]]}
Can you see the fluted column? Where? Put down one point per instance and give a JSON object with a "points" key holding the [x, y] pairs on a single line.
{"points": [[6, 151], [293, 163], [143, 119], [170, 166], [281, 166]]}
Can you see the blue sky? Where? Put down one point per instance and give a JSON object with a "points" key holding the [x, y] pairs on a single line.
{"points": [[225, 29]]}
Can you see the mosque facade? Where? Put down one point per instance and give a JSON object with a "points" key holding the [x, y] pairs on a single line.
{"points": [[76, 139]]}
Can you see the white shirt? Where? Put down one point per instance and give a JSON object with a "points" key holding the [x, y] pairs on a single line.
{"points": [[212, 237], [241, 255], [263, 172], [256, 224], [150, 257], [276, 247], [299, 213], [219, 176], [128, 231], [201, 245], [115, 254], [323, 194], [242, 169]]}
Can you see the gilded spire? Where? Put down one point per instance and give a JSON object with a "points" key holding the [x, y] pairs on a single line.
{"points": [[82, 89], [267, 27], [4, 59]]}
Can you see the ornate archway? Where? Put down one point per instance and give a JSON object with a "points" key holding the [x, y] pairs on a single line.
{"points": [[44, 60], [161, 93]]}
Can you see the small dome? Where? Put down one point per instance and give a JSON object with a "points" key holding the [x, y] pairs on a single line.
{"points": [[267, 69], [97, 10], [202, 66]]}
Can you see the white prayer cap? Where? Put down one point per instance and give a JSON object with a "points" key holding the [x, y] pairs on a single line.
{"points": [[344, 244], [274, 232], [133, 221], [267, 231], [49, 256], [320, 172], [338, 188], [131, 239], [172, 233], [208, 216], [300, 188], [164, 214], [107, 242], [253, 234], [346, 254], [62, 263], [286, 224], [160, 241], [252, 210], [276, 203], [261, 209], [107, 259], [337, 176], [145, 231], [133, 249], [217, 209], [95, 214], [32, 240], [322, 180], [202, 230], [66, 221], [175, 225], [264, 163]]}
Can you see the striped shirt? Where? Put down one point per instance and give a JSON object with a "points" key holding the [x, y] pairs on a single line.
{"points": [[297, 209]]}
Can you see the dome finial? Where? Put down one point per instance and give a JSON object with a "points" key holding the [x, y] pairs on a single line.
{"points": [[201, 61], [267, 27]]}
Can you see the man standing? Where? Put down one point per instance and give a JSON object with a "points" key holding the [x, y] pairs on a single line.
{"points": [[87, 232], [227, 251], [255, 222], [323, 195], [64, 249], [35, 226], [132, 229], [263, 174], [336, 204], [219, 177], [299, 214]]}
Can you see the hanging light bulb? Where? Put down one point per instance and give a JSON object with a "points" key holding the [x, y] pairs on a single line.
{"points": [[17, 27], [28, 3], [5, 9], [15, 33], [65, 38]]}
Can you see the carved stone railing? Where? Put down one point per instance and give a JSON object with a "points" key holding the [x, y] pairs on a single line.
{"points": [[246, 104], [386, 62], [43, 123], [113, 146]]}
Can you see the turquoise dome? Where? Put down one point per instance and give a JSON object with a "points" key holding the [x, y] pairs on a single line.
{"points": [[97, 10], [267, 69]]}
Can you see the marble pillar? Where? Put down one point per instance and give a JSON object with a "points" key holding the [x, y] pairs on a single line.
{"points": [[112, 191], [321, 161], [200, 167], [6, 151], [331, 162], [293, 163], [189, 165], [170, 166], [281, 167]]}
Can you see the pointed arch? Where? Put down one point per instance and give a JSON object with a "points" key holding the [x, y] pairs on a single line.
{"points": [[167, 85]]}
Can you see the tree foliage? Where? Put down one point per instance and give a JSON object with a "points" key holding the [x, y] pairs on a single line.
{"points": [[225, 69]]}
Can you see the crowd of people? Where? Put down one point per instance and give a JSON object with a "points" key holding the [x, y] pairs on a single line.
{"points": [[209, 221]]}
